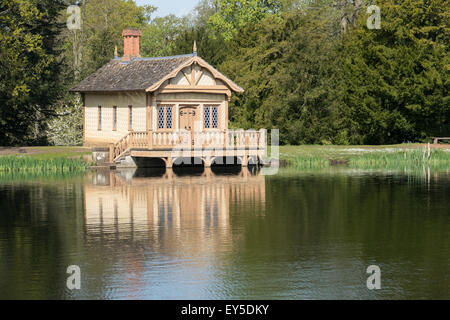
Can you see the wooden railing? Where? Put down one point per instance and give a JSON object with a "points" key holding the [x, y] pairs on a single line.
{"points": [[186, 140]]}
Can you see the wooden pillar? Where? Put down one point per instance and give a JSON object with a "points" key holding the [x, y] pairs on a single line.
{"points": [[169, 162], [149, 115], [153, 110], [225, 125], [111, 153], [245, 160], [83, 99], [207, 161]]}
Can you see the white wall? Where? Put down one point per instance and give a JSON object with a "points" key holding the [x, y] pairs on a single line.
{"points": [[107, 101]]}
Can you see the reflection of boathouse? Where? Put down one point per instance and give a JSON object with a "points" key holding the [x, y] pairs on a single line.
{"points": [[168, 208]]}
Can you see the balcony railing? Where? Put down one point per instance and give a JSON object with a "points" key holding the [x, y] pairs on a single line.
{"points": [[185, 140]]}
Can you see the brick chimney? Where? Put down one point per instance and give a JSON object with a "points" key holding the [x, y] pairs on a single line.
{"points": [[131, 44]]}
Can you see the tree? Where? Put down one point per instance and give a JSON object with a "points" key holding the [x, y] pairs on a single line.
{"points": [[30, 68], [236, 14], [158, 38], [395, 80], [286, 65], [102, 26], [87, 50]]}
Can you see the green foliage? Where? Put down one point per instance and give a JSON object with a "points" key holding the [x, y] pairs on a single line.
{"points": [[159, 36], [395, 80], [311, 69], [403, 159], [237, 14], [36, 165], [30, 68], [286, 65], [318, 86], [102, 24], [66, 129]]}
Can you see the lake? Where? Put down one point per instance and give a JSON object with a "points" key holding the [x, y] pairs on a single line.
{"points": [[226, 234]]}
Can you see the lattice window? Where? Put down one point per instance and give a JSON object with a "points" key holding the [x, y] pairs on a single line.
{"points": [[161, 118], [211, 118], [165, 117], [215, 117], [169, 117], [207, 119]]}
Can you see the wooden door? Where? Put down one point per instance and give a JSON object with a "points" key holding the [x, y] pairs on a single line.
{"points": [[187, 118], [188, 115]]}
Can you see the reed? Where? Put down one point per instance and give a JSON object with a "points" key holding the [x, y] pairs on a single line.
{"points": [[411, 159], [35, 165], [402, 158], [310, 162]]}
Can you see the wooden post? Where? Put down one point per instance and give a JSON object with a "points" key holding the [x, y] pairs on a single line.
{"points": [[83, 99], [169, 162], [131, 140], [150, 139], [111, 153], [149, 111], [227, 100]]}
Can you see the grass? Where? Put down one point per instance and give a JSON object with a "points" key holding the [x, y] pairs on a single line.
{"points": [[35, 164], [409, 159], [409, 156], [42, 161]]}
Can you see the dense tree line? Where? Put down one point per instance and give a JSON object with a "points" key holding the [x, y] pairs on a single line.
{"points": [[311, 68]]}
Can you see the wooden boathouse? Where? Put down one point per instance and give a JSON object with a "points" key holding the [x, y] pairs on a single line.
{"points": [[169, 108]]}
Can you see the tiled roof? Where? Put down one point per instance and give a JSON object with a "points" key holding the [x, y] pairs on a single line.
{"points": [[135, 75]]}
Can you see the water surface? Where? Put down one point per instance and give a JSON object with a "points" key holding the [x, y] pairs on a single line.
{"points": [[230, 234]]}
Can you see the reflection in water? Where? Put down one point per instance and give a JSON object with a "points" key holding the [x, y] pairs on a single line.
{"points": [[125, 201], [226, 234], [184, 219]]}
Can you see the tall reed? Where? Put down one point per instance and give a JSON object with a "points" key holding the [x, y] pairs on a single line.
{"points": [[310, 162], [31, 164], [407, 158]]}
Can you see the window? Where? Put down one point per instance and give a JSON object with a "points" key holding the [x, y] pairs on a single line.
{"points": [[99, 118], [165, 117], [215, 118], [207, 117], [130, 118], [211, 117], [161, 118], [114, 118], [169, 117]]}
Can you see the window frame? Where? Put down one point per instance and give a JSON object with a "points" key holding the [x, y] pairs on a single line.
{"points": [[114, 120], [173, 122], [130, 118], [211, 106], [99, 118]]}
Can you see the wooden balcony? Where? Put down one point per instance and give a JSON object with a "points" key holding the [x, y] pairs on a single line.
{"points": [[206, 145]]}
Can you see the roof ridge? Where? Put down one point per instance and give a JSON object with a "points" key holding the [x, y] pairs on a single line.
{"points": [[158, 58]]}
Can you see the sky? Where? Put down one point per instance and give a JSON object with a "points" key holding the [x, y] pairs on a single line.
{"points": [[165, 7]]}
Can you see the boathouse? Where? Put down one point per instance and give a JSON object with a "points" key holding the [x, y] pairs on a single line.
{"points": [[168, 108]]}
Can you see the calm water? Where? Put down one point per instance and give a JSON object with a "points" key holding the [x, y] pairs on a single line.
{"points": [[226, 235]]}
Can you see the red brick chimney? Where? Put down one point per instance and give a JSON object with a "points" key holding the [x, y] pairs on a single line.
{"points": [[131, 44]]}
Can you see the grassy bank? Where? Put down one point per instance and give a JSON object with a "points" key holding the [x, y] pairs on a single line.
{"points": [[409, 156], [33, 164], [38, 161]]}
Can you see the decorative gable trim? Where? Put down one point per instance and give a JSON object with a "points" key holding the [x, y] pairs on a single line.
{"points": [[193, 81]]}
